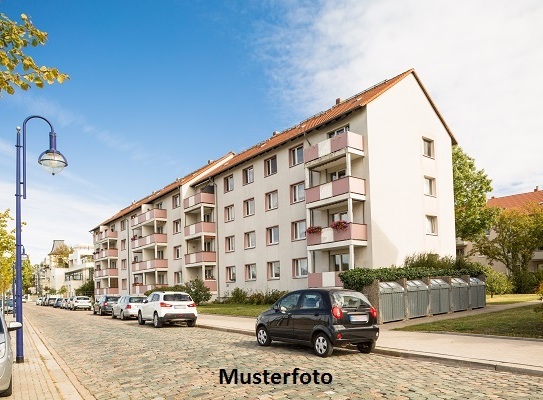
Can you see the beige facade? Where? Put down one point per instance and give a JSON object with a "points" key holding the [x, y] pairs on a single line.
{"points": [[361, 185]]}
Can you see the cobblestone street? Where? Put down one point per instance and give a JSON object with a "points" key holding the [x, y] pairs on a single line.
{"points": [[121, 360]]}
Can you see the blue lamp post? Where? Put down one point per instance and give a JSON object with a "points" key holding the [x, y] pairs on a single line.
{"points": [[53, 161]]}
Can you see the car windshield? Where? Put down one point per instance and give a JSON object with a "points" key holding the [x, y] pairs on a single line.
{"points": [[177, 297], [136, 299], [112, 299], [349, 299], [82, 298]]}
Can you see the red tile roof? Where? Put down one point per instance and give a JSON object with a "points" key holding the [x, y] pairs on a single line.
{"points": [[342, 108], [517, 200]]}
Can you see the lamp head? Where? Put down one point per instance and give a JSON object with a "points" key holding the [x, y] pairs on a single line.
{"points": [[53, 161]]}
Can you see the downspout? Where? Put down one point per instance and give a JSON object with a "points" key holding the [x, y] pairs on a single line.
{"points": [[216, 217]]}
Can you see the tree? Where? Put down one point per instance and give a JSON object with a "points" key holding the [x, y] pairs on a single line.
{"points": [[517, 233], [471, 185], [87, 289], [61, 254], [7, 252], [496, 282], [28, 275], [17, 69]]}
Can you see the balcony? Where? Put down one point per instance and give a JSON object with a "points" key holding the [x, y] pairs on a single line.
{"points": [[347, 141], [151, 240], [356, 232], [105, 254], [106, 291], [200, 257], [138, 288], [149, 217], [104, 273], [104, 236], [324, 279], [211, 285], [200, 227], [332, 190], [199, 199], [150, 265]]}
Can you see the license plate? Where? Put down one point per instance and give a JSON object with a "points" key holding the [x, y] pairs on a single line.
{"points": [[359, 318], [182, 307]]}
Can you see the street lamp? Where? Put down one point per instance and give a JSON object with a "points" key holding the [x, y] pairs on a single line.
{"points": [[53, 161]]}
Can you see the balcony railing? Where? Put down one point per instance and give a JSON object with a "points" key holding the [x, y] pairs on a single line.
{"points": [[106, 291], [106, 253], [149, 216], [199, 198], [211, 285], [200, 227], [141, 289], [330, 235], [323, 279], [155, 238], [101, 273], [102, 236], [150, 265], [339, 142], [348, 184], [200, 257]]}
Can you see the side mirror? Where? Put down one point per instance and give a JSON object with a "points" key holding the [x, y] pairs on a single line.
{"points": [[145, 301], [14, 325], [283, 309]]}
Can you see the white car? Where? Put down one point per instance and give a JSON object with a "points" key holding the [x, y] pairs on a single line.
{"points": [[127, 307], [170, 307], [80, 303], [6, 356]]}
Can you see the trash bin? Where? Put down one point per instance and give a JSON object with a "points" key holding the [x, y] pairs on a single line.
{"points": [[418, 298], [477, 293], [439, 296], [391, 302], [460, 294]]}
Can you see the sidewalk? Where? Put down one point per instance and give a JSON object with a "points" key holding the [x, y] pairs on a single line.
{"points": [[45, 376]]}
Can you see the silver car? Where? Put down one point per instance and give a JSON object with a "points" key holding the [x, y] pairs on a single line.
{"points": [[127, 307], [6, 356]]}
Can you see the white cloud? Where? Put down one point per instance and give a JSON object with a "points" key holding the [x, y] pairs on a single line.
{"points": [[480, 60]]}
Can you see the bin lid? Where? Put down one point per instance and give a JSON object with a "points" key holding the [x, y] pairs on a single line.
{"points": [[458, 282], [438, 283], [416, 285], [475, 281], [394, 286]]}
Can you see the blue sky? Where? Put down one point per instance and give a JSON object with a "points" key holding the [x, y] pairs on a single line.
{"points": [[158, 88]]}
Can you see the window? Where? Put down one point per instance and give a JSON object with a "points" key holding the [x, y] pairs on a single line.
{"points": [[123, 225], [297, 192], [229, 183], [341, 262], [338, 216], [159, 229], [274, 270], [230, 274], [178, 277], [290, 302], [429, 186], [298, 230], [272, 200], [250, 272], [123, 263], [270, 166], [249, 207], [161, 279], [300, 267], [296, 155], [177, 226], [158, 206], [230, 244], [228, 213], [248, 175], [113, 265], [176, 201], [334, 176], [338, 131], [272, 235], [250, 240], [160, 255], [208, 245], [123, 244], [431, 225], [428, 147], [112, 227], [208, 273], [177, 252]]}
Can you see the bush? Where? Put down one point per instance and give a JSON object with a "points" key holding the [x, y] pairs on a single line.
{"points": [[497, 282], [239, 296], [196, 288]]}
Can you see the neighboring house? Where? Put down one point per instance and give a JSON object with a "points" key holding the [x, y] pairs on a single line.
{"points": [[513, 201], [371, 178]]}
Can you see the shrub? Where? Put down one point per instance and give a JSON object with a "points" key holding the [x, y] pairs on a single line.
{"points": [[199, 292], [239, 296], [496, 282]]}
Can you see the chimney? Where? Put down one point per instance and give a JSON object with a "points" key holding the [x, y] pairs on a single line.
{"points": [[536, 189], [338, 100], [275, 133]]}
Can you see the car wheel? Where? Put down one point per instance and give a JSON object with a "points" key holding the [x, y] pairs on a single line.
{"points": [[322, 345], [263, 336], [366, 347], [141, 321], [94, 311], [101, 312], [157, 323], [191, 323], [122, 315], [113, 316]]}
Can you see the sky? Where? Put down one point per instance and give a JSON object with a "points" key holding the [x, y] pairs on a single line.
{"points": [[158, 88]]}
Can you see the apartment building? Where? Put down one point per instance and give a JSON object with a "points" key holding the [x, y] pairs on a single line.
{"points": [[360, 185]]}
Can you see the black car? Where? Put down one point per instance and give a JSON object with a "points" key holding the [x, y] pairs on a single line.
{"points": [[321, 318], [104, 304]]}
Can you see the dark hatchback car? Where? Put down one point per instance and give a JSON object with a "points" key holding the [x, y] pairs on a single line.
{"points": [[104, 304], [321, 318]]}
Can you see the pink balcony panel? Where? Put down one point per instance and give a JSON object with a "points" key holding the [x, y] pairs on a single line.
{"points": [[105, 235], [149, 265], [141, 289], [106, 291], [199, 257], [106, 272], [151, 239], [329, 235], [324, 279], [155, 213], [208, 198], [200, 227], [211, 285], [339, 142], [348, 184]]}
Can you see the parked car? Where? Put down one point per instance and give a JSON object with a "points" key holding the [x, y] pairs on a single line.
{"points": [[81, 303], [321, 318], [8, 307], [39, 301], [58, 302], [65, 302], [103, 304], [6, 356], [170, 307], [51, 300], [127, 307]]}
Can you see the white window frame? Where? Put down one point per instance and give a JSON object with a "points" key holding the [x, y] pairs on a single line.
{"points": [[272, 235], [429, 186], [272, 200], [250, 240], [177, 226], [431, 225], [274, 270], [339, 131], [343, 266], [336, 175], [428, 148], [270, 166], [229, 244], [231, 274], [248, 175], [249, 207], [250, 272], [176, 201], [297, 155], [300, 265], [299, 230], [229, 213], [297, 192], [177, 253], [229, 183]]}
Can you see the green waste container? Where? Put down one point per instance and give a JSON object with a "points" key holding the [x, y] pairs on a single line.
{"points": [[460, 294], [439, 296], [477, 293], [391, 302], [418, 298]]}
